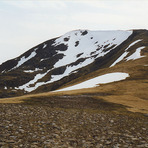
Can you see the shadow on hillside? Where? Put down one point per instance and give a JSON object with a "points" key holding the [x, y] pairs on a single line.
{"points": [[75, 102]]}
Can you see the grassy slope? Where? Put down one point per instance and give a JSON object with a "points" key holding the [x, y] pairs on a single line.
{"points": [[131, 92]]}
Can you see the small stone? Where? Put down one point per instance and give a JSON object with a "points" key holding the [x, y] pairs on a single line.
{"points": [[112, 121], [21, 145], [99, 146], [2, 143], [144, 129], [21, 130], [5, 146], [108, 142], [43, 137], [142, 146], [116, 146], [134, 139], [10, 141], [102, 118]]}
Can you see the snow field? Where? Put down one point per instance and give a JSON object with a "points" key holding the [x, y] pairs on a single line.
{"points": [[90, 44], [133, 57], [104, 79]]}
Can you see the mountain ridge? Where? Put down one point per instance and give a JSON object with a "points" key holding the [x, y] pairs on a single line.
{"points": [[58, 61]]}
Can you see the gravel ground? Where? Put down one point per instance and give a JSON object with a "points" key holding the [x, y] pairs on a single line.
{"points": [[43, 126]]}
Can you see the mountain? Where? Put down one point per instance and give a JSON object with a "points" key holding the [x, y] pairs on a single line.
{"points": [[65, 60]]}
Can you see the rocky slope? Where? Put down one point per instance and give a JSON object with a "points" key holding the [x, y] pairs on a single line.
{"points": [[58, 61], [71, 121]]}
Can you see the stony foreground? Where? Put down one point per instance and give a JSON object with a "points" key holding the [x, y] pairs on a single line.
{"points": [[30, 126]]}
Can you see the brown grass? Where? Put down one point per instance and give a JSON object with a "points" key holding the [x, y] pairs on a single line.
{"points": [[131, 92], [134, 104]]}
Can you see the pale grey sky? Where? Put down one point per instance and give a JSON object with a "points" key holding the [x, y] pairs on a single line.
{"points": [[26, 23]]}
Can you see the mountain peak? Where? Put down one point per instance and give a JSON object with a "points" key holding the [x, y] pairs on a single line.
{"points": [[53, 63]]}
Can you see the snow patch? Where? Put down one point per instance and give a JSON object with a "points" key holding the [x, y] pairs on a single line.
{"points": [[135, 42], [106, 78], [27, 87], [125, 53], [31, 71], [87, 46], [3, 71], [45, 45], [23, 59], [44, 59], [69, 70], [100, 40], [77, 43], [136, 54], [120, 59]]}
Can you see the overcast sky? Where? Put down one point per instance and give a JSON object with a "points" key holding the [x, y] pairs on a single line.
{"points": [[24, 24]]}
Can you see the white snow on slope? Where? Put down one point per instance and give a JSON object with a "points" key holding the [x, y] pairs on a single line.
{"points": [[88, 43], [31, 71], [136, 54], [135, 42], [120, 59], [3, 71], [44, 59], [54, 78], [27, 87], [106, 78], [45, 45], [69, 70], [23, 59], [125, 53]]}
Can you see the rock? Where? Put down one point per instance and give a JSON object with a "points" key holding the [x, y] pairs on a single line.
{"points": [[61, 128], [21, 145], [9, 141], [10, 125], [142, 146], [116, 146], [99, 145], [2, 143], [134, 139], [111, 121], [108, 142], [5, 146], [21, 130]]}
